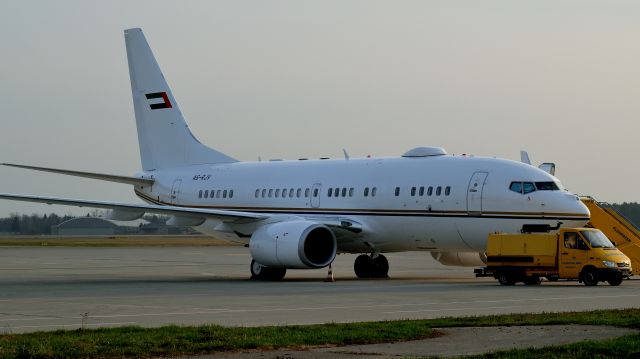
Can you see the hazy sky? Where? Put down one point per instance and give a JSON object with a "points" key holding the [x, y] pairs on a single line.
{"points": [[290, 79]]}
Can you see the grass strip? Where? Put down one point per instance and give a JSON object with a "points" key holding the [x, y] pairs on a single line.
{"points": [[627, 346], [136, 342]]}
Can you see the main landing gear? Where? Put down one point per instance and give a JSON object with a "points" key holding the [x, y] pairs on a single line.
{"points": [[260, 272], [374, 266]]}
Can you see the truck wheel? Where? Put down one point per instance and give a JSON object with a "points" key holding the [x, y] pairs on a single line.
{"points": [[589, 277], [533, 280], [505, 278], [552, 278], [615, 279]]}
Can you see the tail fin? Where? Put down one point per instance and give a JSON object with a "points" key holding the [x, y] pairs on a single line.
{"points": [[164, 136]]}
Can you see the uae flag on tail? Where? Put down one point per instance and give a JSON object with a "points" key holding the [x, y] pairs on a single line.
{"points": [[158, 95]]}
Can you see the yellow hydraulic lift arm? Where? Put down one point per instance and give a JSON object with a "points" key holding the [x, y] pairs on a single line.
{"points": [[616, 227]]}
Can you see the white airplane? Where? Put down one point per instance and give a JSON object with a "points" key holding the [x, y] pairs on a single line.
{"points": [[300, 214]]}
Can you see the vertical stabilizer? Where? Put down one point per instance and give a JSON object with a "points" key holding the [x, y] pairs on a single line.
{"points": [[164, 136]]}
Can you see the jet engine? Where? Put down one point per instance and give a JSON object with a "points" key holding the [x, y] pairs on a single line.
{"points": [[295, 244], [460, 259]]}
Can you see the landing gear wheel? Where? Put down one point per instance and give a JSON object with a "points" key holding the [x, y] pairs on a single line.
{"points": [[615, 280], [533, 280], [260, 272], [380, 267], [505, 278], [589, 277], [363, 266]]}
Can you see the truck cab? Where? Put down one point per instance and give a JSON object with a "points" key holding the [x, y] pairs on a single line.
{"points": [[587, 254]]}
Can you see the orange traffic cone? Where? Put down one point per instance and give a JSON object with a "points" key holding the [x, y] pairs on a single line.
{"points": [[330, 275]]}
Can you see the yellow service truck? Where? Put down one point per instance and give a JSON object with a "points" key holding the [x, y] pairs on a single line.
{"points": [[585, 254]]}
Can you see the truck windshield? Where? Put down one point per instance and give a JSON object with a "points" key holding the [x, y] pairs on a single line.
{"points": [[597, 239]]}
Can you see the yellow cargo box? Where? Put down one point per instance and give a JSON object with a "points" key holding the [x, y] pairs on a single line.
{"points": [[516, 249]]}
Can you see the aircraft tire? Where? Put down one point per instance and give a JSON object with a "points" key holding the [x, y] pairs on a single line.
{"points": [[363, 266], [380, 267], [260, 272]]}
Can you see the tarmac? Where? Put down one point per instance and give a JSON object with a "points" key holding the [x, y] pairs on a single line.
{"points": [[47, 288]]}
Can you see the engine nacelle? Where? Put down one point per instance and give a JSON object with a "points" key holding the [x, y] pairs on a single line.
{"points": [[293, 244], [460, 259]]}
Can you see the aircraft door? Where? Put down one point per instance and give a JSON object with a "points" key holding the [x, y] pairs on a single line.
{"points": [[474, 192], [175, 191], [315, 195]]}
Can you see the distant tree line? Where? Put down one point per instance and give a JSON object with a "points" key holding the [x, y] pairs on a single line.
{"points": [[36, 224], [631, 210], [33, 224]]}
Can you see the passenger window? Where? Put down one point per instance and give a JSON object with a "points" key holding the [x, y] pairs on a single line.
{"points": [[336, 192], [516, 187], [430, 191], [277, 192], [315, 192], [284, 193], [447, 191], [329, 192], [397, 191], [257, 193], [528, 187], [351, 192], [306, 193], [200, 194], [299, 193], [270, 192], [373, 191], [421, 192], [224, 194], [218, 193], [366, 191], [413, 191], [264, 192], [230, 193], [291, 192], [206, 193], [438, 190], [344, 192]]}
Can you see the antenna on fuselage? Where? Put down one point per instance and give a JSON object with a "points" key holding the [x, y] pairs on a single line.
{"points": [[346, 155]]}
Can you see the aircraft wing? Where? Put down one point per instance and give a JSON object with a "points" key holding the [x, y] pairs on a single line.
{"points": [[227, 216]]}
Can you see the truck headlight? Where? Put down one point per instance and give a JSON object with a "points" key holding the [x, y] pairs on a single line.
{"points": [[609, 264]]}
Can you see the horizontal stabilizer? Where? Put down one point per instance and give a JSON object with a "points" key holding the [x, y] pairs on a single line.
{"points": [[99, 176]]}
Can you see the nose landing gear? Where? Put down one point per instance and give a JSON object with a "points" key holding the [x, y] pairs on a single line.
{"points": [[374, 266]]}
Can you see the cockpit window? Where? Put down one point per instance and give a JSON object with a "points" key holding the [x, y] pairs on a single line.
{"points": [[528, 187], [547, 186], [516, 187], [522, 187]]}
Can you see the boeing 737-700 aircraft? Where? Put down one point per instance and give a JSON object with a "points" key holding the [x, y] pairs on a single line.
{"points": [[300, 214]]}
